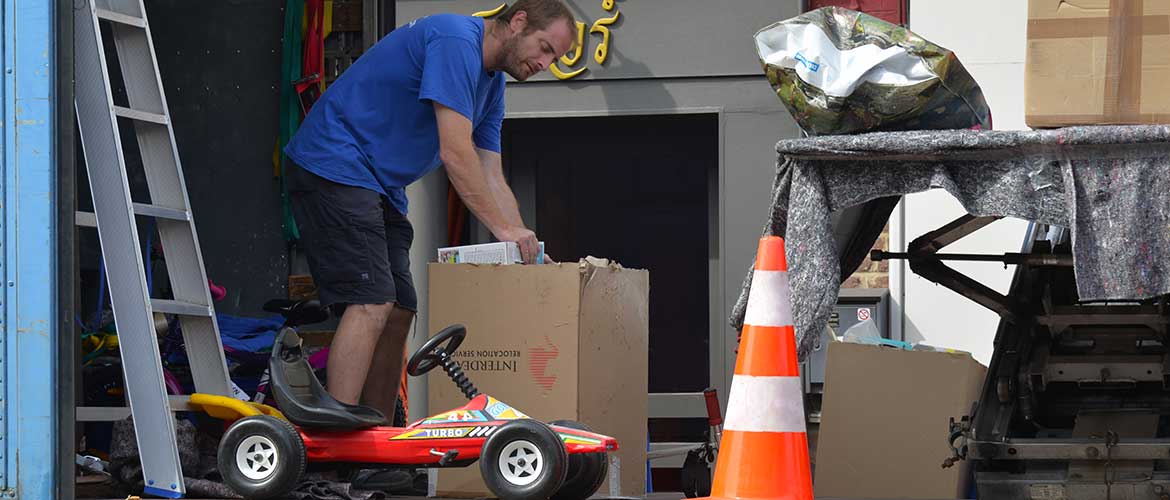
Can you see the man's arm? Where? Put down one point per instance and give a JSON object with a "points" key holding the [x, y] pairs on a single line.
{"points": [[494, 172], [474, 184]]}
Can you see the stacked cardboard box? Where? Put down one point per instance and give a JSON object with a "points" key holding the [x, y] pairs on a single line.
{"points": [[885, 421], [1097, 62]]}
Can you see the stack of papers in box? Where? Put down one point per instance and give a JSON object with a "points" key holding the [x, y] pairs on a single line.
{"points": [[487, 253]]}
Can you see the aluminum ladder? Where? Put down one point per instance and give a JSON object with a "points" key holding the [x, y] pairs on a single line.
{"points": [[100, 118]]}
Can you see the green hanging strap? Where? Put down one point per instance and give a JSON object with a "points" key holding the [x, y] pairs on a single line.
{"points": [[290, 106]]}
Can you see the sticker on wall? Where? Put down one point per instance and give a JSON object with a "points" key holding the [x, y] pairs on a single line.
{"points": [[601, 26], [863, 313], [492, 12]]}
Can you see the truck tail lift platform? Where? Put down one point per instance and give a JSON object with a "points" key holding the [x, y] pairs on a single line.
{"points": [[1077, 401]]}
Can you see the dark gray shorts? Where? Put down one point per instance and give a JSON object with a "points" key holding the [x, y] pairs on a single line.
{"points": [[357, 244]]}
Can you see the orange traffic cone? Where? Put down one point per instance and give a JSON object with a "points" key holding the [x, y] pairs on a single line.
{"points": [[763, 453]]}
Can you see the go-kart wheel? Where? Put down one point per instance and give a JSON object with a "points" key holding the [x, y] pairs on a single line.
{"points": [[523, 459], [399, 419], [695, 476], [587, 471], [427, 357], [261, 457]]}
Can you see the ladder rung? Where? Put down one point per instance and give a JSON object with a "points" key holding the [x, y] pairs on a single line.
{"points": [[180, 308], [161, 212], [89, 219], [116, 413], [119, 18], [85, 219], [142, 116]]}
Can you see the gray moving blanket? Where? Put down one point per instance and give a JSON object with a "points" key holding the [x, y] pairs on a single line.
{"points": [[1110, 185]]}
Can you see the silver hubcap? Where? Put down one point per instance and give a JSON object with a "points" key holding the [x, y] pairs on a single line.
{"points": [[521, 463], [256, 458]]}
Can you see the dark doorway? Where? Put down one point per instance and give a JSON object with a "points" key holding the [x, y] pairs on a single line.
{"points": [[637, 190]]}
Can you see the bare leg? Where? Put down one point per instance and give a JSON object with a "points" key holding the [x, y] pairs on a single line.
{"points": [[352, 348], [385, 375]]}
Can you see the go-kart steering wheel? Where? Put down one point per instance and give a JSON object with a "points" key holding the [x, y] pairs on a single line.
{"points": [[432, 353]]}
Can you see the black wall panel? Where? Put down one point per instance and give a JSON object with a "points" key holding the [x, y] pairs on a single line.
{"points": [[220, 64]]}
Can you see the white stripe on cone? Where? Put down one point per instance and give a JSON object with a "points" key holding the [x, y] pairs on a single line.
{"points": [[769, 300], [765, 404]]}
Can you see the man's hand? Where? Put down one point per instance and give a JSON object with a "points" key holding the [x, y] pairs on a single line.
{"points": [[525, 238]]}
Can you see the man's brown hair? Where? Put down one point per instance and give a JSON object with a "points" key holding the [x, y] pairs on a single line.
{"points": [[541, 13]]}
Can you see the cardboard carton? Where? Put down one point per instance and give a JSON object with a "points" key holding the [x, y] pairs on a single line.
{"points": [[884, 422], [557, 341], [1097, 62]]}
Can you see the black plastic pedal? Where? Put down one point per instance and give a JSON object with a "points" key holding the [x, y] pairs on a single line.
{"points": [[448, 457]]}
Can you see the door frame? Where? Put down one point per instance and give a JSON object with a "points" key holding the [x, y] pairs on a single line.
{"points": [[721, 355]]}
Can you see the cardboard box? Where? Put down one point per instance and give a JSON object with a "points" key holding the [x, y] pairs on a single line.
{"points": [[555, 341], [1097, 62], [499, 252], [884, 422]]}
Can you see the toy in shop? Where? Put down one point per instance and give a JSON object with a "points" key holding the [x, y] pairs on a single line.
{"points": [[264, 452]]}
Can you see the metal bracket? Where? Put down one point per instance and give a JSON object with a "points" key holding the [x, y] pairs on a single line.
{"points": [[1072, 449], [927, 262], [447, 457]]}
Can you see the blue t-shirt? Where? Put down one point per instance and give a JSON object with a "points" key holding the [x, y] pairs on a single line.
{"points": [[375, 126]]}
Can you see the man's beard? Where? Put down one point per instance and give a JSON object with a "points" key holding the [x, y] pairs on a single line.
{"points": [[512, 64]]}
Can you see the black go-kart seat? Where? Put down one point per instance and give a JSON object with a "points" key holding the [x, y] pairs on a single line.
{"points": [[303, 399]]}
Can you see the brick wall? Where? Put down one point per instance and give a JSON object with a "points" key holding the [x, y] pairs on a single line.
{"points": [[893, 11], [873, 274]]}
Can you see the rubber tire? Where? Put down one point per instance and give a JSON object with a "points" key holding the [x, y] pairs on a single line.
{"points": [[695, 476], [290, 457], [399, 419], [547, 442], [587, 471]]}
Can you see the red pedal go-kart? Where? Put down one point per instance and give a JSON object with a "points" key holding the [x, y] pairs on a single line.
{"points": [[264, 455]]}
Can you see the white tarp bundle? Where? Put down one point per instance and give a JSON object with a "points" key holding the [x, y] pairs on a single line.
{"points": [[839, 71]]}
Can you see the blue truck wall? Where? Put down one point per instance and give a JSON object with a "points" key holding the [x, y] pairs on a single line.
{"points": [[29, 221]]}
